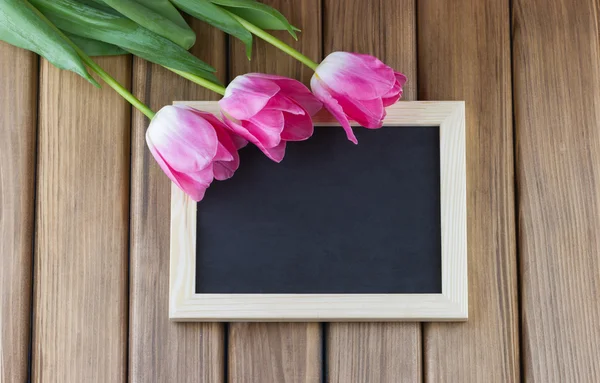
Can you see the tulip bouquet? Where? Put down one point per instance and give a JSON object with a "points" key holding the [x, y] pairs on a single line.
{"points": [[193, 147]]}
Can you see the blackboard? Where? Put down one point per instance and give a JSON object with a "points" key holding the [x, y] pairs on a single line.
{"points": [[332, 217]]}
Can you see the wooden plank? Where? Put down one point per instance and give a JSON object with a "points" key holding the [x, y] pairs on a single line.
{"points": [[82, 225], [273, 352], [464, 54], [192, 352], [371, 352], [18, 129], [556, 61]]}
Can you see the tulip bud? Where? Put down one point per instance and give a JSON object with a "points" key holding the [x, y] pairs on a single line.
{"points": [[268, 111], [192, 148], [356, 87]]}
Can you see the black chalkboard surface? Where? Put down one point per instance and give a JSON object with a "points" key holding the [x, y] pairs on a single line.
{"points": [[332, 217]]}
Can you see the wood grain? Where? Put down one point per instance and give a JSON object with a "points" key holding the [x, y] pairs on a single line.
{"points": [[556, 61], [376, 349], [82, 225], [386, 29], [161, 350], [464, 54], [276, 352], [290, 351], [18, 129]]}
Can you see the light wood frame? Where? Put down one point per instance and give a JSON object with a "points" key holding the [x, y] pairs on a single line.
{"points": [[451, 305]]}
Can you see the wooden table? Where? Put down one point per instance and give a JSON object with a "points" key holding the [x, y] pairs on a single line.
{"points": [[84, 225]]}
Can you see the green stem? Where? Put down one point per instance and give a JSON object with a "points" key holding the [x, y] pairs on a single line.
{"points": [[96, 68], [276, 42], [200, 81], [116, 86]]}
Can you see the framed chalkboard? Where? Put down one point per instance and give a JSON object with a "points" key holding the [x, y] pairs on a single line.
{"points": [[335, 231]]}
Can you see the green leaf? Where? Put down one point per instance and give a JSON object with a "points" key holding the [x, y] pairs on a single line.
{"points": [[94, 23], [178, 32], [217, 17], [165, 8], [259, 14], [20, 25], [99, 4], [95, 47]]}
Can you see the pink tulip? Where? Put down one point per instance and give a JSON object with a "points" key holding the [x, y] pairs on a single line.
{"points": [[356, 87], [268, 111], [192, 148]]}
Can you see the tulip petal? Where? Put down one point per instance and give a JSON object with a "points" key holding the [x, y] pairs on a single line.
{"points": [[359, 76], [224, 154], [396, 92], [220, 127], [224, 170], [195, 184], [239, 130], [266, 126], [194, 188], [224, 137], [392, 96], [284, 104], [295, 90], [297, 128], [308, 101], [391, 100], [275, 153], [245, 96], [368, 113], [227, 159], [332, 106], [188, 142], [238, 141], [161, 162], [401, 78], [211, 118], [228, 141]]}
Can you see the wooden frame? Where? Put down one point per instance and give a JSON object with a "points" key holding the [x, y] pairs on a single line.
{"points": [[452, 304]]}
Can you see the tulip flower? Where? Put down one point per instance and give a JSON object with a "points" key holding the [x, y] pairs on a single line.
{"points": [[351, 86], [269, 111], [192, 148], [356, 87]]}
